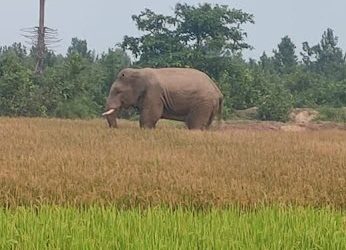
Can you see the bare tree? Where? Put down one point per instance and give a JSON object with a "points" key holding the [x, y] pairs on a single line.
{"points": [[41, 38]]}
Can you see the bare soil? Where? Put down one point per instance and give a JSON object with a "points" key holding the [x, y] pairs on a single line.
{"points": [[301, 119], [279, 126]]}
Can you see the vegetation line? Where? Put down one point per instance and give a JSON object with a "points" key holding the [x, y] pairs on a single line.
{"points": [[207, 37]]}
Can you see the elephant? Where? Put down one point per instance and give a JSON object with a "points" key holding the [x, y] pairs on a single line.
{"points": [[181, 94]]}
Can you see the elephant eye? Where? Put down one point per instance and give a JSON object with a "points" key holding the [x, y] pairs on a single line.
{"points": [[116, 91]]}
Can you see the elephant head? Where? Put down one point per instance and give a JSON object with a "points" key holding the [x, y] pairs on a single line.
{"points": [[125, 92]]}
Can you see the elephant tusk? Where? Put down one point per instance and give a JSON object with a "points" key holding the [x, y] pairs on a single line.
{"points": [[109, 112]]}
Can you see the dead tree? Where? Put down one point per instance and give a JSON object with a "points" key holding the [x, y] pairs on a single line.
{"points": [[41, 37], [41, 46]]}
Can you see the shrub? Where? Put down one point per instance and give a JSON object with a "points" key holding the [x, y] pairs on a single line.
{"points": [[81, 107], [332, 114], [276, 105]]}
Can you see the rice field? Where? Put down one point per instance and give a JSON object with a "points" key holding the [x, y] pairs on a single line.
{"points": [[66, 162], [158, 228], [72, 184]]}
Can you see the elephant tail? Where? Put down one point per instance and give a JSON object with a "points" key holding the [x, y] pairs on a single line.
{"points": [[219, 113]]}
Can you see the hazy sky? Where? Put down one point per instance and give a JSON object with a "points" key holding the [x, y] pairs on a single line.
{"points": [[103, 23]]}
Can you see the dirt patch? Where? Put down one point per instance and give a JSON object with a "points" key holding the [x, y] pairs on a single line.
{"points": [[251, 125], [292, 128], [303, 115], [301, 119], [278, 126]]}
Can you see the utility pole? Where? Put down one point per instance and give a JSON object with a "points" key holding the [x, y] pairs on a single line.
{"points": [[40, 38], [41, 46]]}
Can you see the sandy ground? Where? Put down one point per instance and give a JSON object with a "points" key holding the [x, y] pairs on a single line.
{"points": [[300, 120], [272, 126]]}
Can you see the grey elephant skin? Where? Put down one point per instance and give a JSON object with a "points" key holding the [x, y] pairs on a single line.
{"points": [[180, 94]]}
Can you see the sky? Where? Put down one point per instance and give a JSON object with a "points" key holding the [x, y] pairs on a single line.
{"points": [[103, 23]]}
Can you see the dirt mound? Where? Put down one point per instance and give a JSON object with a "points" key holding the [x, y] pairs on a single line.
{"points": [[298, 115], [303, 115]]}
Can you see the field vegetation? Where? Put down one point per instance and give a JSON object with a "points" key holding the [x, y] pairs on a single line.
{"points": [[74, 162], [73, 184], [158, 228]]}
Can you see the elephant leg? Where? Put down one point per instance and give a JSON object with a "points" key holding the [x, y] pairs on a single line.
{"points": [[150, 116], [200, 117], [211, 118], [213, 114]]}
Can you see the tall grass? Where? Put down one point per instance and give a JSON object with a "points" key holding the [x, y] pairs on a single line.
{"points": [[81, 163], [110, 228]]}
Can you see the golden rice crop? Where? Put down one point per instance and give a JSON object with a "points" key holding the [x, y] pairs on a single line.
{"points": [[73, 162]]}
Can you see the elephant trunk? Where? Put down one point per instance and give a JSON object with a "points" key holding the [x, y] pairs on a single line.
{"points": [[113, 106], [111, 117]]}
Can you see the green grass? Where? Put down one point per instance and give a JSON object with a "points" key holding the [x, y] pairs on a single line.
{"points": [[110, 228]]}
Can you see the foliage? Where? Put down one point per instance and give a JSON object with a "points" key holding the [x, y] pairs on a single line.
{"points": [[242, 87], [112, 62], [207, 37], [332, 114], [80, 107], [200, 36], [325, 57], [72, 86], [285, 59], [18, 91], [276, 105]]}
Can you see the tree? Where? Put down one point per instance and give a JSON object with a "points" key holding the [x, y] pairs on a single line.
{"points": [[112, 62], [159, 45], [285, 59], [243, 86], [17, 89], [266, 63], [202, 37], [213, 29], [80, 47], [325, 57]]}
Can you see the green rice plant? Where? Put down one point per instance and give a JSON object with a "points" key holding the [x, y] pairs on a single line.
{"points": [[97, 227]]}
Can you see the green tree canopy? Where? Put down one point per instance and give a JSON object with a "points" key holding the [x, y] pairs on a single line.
{"points": [[285, 59], [197, 36], [326, 56]]}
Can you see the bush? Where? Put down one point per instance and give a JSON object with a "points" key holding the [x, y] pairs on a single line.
{"points": [[242, 87], [276, 105], [80, 107], [332, 114]]}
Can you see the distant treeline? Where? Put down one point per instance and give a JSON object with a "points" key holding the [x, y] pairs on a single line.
{"points": [[206, 37]]}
